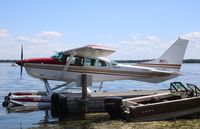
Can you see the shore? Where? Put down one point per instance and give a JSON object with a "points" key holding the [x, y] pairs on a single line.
{"points": [[102, 121]]}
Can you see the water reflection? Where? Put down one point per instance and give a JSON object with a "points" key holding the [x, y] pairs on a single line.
{"points": [[89, 122]]}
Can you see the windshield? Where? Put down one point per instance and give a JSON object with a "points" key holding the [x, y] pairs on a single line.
{"points": [[113, 63], [60, 57]]}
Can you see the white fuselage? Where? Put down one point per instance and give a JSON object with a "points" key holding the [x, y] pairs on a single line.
{"points": [[107, 73]]}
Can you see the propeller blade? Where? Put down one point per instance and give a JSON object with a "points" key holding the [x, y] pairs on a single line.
{"points": [[21, 68], [22, 53]]}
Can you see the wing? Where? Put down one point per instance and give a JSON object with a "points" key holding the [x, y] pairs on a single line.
{"points": [[92, 51]]}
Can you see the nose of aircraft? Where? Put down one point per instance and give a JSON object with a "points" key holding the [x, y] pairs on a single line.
{"points": [[19, 62]]}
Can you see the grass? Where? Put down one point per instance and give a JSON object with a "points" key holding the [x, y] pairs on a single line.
{"points": [[102, 121]]}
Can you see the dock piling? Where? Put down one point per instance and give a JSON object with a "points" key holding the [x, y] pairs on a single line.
{"points": [[66, 107], [84, 92], [84, 86]]}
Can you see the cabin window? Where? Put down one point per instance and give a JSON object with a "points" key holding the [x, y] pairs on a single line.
{"points": [[101, 63], [77, 61], [89, 62]]}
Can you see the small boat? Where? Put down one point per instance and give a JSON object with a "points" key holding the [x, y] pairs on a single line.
{"points": [[181, 101]]}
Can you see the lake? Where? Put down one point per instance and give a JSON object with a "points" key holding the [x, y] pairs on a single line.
{"points": [[10, 82]]}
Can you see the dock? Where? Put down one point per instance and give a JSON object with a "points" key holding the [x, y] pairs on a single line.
{"points": [[69, 105], [127, 94]]}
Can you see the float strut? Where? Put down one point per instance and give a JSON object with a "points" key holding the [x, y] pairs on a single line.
{"points": [[48, 88]]}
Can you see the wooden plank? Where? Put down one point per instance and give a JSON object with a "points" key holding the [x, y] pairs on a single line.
{"points": [[127, 94]]}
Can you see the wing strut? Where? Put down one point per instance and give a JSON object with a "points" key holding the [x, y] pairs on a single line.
{"points": [[67, 64], [101, 86], [47, 86], [62, 85]]}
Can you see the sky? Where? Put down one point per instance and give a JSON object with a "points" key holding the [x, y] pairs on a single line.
{"points": [[137, 29]]}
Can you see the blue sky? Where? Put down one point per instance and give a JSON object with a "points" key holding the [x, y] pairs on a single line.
{"points": [[138, 29]]}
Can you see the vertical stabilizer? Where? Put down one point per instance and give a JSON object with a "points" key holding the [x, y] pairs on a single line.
{"points": [[172, 58]]}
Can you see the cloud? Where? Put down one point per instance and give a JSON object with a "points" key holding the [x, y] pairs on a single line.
{"points": [[152, 39], [49, 34], [23, 39], [40, 38], [3, 33], [137, 46], [138, 39], [192, 36], [44, 42], [194, 44], [30, 40]]}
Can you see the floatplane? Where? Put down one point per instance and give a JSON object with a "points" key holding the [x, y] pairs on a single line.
{"points": [[68, 66]]}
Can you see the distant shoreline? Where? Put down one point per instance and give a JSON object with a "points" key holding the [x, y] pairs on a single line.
{"points": [[7, 61], [122, 61]]}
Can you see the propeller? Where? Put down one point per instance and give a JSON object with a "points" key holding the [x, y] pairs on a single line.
{"points": [[21, 66]]}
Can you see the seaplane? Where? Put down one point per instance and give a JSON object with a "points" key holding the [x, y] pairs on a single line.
{"points": [[68, 66]]}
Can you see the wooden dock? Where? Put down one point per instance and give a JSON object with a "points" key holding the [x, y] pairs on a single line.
{"points": [[67, 106], [127, 94], [73, 106]]}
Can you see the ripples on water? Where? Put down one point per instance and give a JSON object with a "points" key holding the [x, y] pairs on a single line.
{"points": [[10, 82]]}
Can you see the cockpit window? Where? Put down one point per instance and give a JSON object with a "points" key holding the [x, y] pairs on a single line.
{"points": [[60, 57]]}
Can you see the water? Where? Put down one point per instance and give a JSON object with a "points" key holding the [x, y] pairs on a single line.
{"points": [[10, 82]]}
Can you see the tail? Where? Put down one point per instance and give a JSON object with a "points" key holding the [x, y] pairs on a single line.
{"points": [[172, 57]]}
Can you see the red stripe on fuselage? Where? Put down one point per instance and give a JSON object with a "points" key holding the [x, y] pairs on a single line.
{"points": [[44, 61]]}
